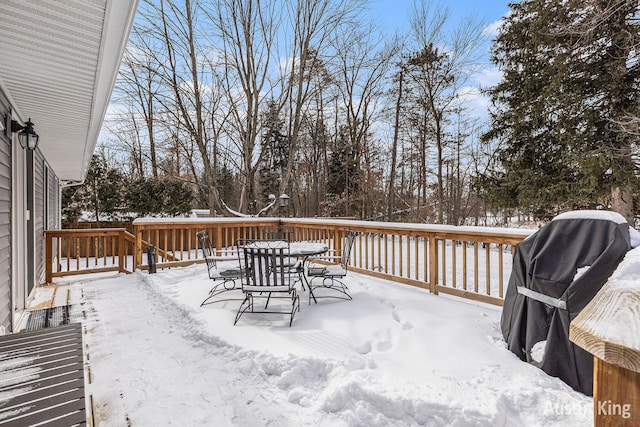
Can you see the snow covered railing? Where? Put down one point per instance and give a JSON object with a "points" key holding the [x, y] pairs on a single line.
{"points": [[471, 262], [70, 252]]}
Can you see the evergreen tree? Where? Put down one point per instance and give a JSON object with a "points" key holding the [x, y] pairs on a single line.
{"points": [[274, 152], [228, 185], [344, 176], [569, 79], [100, 194], [176, 197], [165, 196], [142, 197]]}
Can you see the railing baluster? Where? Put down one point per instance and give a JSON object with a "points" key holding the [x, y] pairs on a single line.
{"points": [[400, 256], [443, 262], [475, 267], [464, 265], [501, 270], [488, 267], [416, 256], [366, 251], [425, 261], [454, 269]]}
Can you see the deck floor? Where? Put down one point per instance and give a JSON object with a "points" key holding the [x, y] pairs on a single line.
{"points": [[42, 377]]}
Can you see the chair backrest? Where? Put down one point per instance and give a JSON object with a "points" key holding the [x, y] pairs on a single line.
{"points": [[207, 249], [205, 243], [259, 263], [285, 233], [346, 248]]}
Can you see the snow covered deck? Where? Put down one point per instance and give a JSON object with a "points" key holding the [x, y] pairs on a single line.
{"points": [[395, 355]]}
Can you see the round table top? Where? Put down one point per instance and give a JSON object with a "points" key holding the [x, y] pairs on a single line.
{"points": [[307, 248], [295, 248]]}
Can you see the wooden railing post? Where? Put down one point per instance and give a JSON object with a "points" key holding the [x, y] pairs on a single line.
{"points": [[121, 251], [220, 242], [48, 275], [138, 233], [433, 264], [607, 328], [337, 240]]}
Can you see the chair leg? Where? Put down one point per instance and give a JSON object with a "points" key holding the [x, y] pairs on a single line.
{"points": [[329, 283], [295, 304], [219, 288], [301, 278], [248, 300], [268, 299]]}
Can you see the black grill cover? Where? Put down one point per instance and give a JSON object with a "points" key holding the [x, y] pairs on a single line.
{"points": [[546, 263]]}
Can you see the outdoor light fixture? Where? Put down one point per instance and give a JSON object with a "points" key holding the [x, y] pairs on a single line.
{"points": [[26, 135], [284, 201]]}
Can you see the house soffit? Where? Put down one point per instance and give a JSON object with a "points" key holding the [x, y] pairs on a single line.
{"points": [[58, 63]]}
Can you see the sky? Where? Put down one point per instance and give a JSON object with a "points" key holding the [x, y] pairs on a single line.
{"points": [[394, 13], [393, 16]]}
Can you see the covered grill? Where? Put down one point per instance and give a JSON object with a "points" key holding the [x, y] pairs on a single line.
{"points": [[556, 272]]}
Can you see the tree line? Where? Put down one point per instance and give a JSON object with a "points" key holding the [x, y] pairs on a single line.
{"points": [[239, 99], [108, 195]]}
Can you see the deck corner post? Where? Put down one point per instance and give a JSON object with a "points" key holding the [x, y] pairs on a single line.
{"points": [[138, 233]]}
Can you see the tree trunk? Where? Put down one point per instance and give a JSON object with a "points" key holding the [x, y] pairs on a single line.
{"points": [[394, 149], [622, 202]]}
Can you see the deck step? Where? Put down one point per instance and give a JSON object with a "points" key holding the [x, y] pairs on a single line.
{"points": [[50, 317]]}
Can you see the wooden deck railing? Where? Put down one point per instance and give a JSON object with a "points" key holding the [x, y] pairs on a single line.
{"points": [[470, 262], [69, 252]]}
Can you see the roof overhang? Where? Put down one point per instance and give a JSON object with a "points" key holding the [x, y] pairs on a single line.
{"points": [[59, 60]]}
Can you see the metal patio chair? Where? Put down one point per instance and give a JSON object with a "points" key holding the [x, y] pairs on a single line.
{"points": [[285, 233], [264, 279], [331, 276], [222, 267]]}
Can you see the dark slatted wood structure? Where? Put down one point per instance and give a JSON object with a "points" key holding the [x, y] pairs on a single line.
{"points": [[49, 317], [42, 378]]}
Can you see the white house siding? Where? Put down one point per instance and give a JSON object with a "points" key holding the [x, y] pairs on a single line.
{"points": [[5, 219]]}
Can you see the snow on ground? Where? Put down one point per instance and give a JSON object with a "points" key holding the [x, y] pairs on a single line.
{"points": [[394, 356]]}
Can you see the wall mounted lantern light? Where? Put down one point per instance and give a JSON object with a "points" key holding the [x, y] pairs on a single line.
{"points": [[26, 135]]}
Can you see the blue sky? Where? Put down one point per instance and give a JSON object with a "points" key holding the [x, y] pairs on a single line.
{"points": [[394, 13]]}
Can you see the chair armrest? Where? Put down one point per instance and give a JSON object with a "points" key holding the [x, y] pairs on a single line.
{"points": [[330, 255], [325, 258]]}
